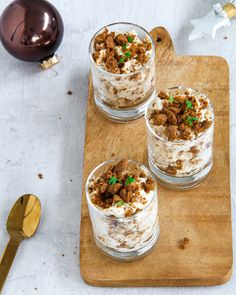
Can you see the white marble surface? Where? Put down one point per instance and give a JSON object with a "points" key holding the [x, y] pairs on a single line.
{"points": [[35, 140]]}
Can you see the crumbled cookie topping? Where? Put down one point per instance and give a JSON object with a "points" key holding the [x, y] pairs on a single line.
{"points": [[180, 116], [121, 53], [119, 186]]}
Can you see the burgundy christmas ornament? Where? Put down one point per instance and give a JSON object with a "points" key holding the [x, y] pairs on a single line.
{"points": [[32, 30]]}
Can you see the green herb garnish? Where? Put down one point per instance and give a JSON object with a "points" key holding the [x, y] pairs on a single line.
{"points": [[121, 60], [128, 54], [189, 104], [120, 203], [129, 180], [124, 46], [130, 39], [113, 180], [171, 98], [191, 119]]}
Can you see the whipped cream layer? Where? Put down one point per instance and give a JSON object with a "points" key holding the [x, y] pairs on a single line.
{"points": [[126, 78], [176, 155], [124, 224]]}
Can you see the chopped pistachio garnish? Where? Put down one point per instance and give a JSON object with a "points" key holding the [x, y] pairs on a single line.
{"points": [[129, 180], [130, 39], [171, 98], [189, 104], [128, 54], [113, 180], [121, 60], [191, 119], [120, 203]]}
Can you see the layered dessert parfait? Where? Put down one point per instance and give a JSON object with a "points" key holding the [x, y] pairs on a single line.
{"points": [[123, 70], [122, 199], [180, 124]]}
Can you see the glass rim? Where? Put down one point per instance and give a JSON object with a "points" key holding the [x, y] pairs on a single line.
{"points": [[127, 74], [111, 161], [182, 140]]}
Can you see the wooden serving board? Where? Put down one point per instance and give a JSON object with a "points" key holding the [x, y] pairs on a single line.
{"points": [[203, 214]]}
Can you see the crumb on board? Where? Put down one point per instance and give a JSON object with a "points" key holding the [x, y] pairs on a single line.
{"points": [[113, 154], [225, 37], [69, 92], [183, 243]]}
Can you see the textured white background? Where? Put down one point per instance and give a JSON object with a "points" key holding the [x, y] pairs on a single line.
{"points": [[33, 138]]}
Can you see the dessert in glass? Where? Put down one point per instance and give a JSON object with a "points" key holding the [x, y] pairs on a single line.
{"points": [[123, 207], [180, 126], [122, 59]]}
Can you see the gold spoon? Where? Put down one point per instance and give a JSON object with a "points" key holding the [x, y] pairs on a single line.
{"points": [[22, 223]]}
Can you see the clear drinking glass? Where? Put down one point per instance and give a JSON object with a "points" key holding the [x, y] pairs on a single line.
{"points": [[124, 238], [192, 159], [123, 97]]}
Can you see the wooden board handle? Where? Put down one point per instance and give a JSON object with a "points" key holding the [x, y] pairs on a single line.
{"points": [[164, 44]]}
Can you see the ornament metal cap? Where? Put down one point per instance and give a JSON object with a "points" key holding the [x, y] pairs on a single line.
{"points": [[230, 9], [49, 62]]}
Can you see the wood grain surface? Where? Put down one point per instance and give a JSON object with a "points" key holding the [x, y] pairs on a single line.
{"points": [[203, 214]]}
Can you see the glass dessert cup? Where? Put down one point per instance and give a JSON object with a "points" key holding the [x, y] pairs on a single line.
{"points": [[180, 164], [123, 97], [124, 238]]}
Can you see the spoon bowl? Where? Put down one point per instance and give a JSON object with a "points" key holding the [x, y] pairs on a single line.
{"points": [[24, 217], [22, 223]]}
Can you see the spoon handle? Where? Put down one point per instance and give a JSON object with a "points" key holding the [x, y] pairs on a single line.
{"points": [[7, 260]]}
